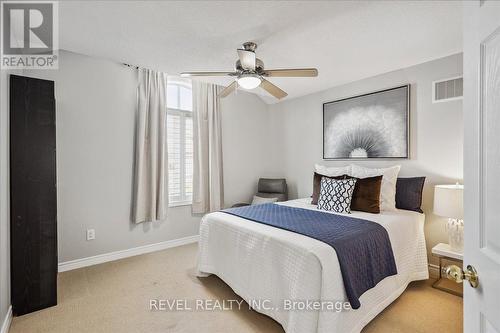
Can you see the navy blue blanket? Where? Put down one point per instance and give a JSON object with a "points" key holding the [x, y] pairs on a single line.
{"points": [[363, 247]]}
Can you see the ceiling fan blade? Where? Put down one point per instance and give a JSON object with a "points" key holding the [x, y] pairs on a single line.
{"points": [[297, 72], [190, 74], [247, 59], [228, 90], [272, 89]]}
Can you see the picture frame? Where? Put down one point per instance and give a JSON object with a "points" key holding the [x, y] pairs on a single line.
{"points": [[374, 125]]}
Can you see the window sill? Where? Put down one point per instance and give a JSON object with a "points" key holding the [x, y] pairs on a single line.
{"points": [[179, 204]]}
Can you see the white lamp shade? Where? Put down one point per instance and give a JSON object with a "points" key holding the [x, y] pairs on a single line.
{"points": [[449, 201], [249, 81]]}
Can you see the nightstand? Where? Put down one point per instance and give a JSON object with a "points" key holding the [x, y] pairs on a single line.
{"points": [[444, 251]]}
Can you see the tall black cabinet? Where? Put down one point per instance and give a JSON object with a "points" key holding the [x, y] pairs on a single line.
{"points": [[33, 194]]}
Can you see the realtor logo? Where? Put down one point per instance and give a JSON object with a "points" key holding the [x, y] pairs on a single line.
{"points": [[29, 37]]}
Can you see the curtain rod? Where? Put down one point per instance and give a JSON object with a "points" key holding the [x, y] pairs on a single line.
{"points": [[131, 66]]}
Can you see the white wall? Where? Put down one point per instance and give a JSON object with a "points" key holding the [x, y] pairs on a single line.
{"points": [[4, 194], [95, 106], [436, 133]]}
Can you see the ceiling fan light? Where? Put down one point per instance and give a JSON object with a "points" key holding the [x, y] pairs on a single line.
{"points": [[249, 81]]}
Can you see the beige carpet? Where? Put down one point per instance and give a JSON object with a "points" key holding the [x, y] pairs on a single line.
{"points": [[114, 297]]}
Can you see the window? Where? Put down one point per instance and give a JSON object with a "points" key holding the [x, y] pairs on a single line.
{"points": [[180, 143]]}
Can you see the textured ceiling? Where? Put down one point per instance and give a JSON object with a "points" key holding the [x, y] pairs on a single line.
{"points": [[346, 41]]}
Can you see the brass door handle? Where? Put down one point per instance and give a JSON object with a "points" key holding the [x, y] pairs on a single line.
{"points": [[455, 273]]}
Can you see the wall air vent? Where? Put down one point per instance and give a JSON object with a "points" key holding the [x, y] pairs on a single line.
{"points": [[447, 90]]}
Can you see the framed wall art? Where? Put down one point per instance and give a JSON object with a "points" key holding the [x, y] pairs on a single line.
{"points": [[374, 125]]}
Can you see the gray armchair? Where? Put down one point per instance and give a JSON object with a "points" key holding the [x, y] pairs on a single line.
{"points": [[270, 188]]}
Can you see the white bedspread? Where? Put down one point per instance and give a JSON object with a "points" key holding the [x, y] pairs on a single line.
{"points": [[260, 262]]}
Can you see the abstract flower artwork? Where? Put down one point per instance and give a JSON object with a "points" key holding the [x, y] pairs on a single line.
{"points": [[374, 125]]}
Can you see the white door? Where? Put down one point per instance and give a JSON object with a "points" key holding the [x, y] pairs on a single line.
{"points": [[482, 164]]}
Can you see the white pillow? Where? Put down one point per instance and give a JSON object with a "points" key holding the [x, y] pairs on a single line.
{"points": [[332, 171], [260, 200], [389, 179]]}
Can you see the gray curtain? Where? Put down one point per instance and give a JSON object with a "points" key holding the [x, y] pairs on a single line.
{"points": [[208, 187], [150, 179]]}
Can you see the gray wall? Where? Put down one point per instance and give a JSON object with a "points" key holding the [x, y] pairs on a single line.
{"points": [[96, 102], [436, 133], [248, 152]]}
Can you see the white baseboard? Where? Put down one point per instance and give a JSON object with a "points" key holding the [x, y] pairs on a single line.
{"points": [[7, 320], [102, 258]]}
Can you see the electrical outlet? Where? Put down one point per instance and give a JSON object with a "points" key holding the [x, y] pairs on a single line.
{"points": [[90, 234]]}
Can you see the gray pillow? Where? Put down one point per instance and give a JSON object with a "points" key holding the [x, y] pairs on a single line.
{"points": [[260, 200], [409, 193]]}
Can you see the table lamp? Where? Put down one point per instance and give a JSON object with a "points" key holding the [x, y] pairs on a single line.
{"points": [[449, 202]]}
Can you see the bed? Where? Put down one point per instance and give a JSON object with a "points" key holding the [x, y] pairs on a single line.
{"points": [[267, 265]]}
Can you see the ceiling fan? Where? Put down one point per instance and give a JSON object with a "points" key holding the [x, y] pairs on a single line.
{"points": [[249, 73]]}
